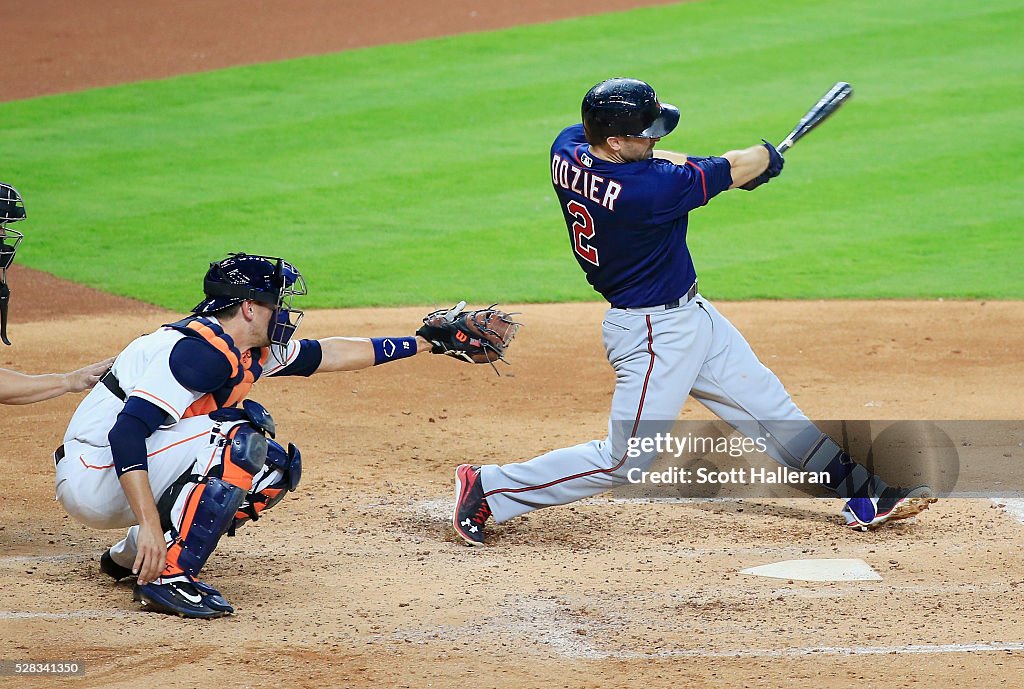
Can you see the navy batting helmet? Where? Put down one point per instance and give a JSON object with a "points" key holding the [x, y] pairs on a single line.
{"points": [[266, 279], [626, 107]]}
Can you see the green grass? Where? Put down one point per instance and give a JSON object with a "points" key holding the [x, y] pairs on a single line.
{"points": [[418, 173]]}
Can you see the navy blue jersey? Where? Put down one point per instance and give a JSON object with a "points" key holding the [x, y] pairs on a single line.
{"points": [[627, 221]]}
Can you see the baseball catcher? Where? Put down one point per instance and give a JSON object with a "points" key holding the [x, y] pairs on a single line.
{"points": [[179, 395]]}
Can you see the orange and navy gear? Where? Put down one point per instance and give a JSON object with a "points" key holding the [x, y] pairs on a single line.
{"points": [[201, 509], [285, 472], [198, 363]]}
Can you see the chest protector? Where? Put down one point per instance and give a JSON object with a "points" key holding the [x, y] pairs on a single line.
{"points": [[246, 367]]}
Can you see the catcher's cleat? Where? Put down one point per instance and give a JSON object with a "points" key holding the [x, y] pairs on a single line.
{"points": [[211, 596], [112, 569], [866, 514], [471, 508], [179, 595]]}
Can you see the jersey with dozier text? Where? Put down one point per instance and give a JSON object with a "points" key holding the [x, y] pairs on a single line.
{"points": [[627, 221]]}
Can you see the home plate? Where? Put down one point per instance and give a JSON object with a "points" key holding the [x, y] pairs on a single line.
{"points": [[817, 570]]}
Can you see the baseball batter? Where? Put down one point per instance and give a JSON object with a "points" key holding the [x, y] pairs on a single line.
{"points": [[626, 207], [168, 444], [15, 387]]}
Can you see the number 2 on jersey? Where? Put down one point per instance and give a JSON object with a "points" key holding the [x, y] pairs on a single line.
{"points": [[582, 232]]}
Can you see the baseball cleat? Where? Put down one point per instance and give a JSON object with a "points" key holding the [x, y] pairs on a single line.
{"points": [[867, 514], [178, 595], [112, 569], [212, 598], [471, 508]]}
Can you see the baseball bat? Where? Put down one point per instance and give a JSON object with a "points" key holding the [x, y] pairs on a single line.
{"points": [[829, 103]]}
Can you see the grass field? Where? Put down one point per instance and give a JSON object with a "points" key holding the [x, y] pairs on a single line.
{"points": [[418, 173]]}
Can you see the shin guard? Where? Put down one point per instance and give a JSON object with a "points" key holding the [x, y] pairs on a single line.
{"points": [[200, 509]]}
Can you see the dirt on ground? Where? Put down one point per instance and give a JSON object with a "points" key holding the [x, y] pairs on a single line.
{"points": [[355, 579]]}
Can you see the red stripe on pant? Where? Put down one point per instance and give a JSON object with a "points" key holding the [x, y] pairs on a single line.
{"points": [[636, 424]]}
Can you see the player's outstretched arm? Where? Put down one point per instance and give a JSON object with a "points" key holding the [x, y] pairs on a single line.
{"points": [[355, 353], [746, 164], [19, 388], [754, 166]]}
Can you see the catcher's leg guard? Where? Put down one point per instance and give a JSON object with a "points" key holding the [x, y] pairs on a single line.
{"points": [[209, 511], [196, 511], [281, 474], [201, 508]]}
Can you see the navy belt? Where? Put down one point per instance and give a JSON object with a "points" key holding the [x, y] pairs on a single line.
{"points": [[674, 304]]}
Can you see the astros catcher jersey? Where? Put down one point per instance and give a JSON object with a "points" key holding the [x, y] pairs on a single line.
{"points": [[147, 370], [627, 221]]}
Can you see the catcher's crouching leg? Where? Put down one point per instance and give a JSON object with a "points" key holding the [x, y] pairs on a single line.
{"points": [[196, 511], [281, 475]]}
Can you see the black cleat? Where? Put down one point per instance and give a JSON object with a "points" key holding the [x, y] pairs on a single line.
{"points": [[112, 569]]}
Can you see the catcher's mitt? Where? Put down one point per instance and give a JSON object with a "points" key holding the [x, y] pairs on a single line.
{"points": [[479, 337]]}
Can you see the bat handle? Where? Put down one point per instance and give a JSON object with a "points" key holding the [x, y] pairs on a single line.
{"points": [[784, 146]]}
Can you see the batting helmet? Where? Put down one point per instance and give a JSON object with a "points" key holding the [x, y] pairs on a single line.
{"points": [[626, 107], [266, 279]]}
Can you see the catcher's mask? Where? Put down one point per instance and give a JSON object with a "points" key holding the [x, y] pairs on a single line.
{"points": [[626, 107], [265, 279], [12, 209]]}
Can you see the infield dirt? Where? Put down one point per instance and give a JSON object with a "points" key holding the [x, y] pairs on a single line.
{"points": [[355, 580]]}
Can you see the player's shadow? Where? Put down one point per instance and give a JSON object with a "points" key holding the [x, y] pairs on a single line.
{"points": [[768, 509]]}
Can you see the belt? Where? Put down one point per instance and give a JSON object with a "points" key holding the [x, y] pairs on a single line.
{"points": [[110, 382], [674, 304]]}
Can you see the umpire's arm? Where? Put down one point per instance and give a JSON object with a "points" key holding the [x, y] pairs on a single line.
{"points": [[19, 388]]}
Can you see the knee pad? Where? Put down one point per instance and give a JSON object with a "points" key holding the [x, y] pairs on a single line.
{"points": [[246, 449], [282, 474], [289, 463]]}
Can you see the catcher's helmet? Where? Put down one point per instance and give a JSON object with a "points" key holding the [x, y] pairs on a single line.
{"points": [[266, 279], [626, 107], [12, 209]]}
